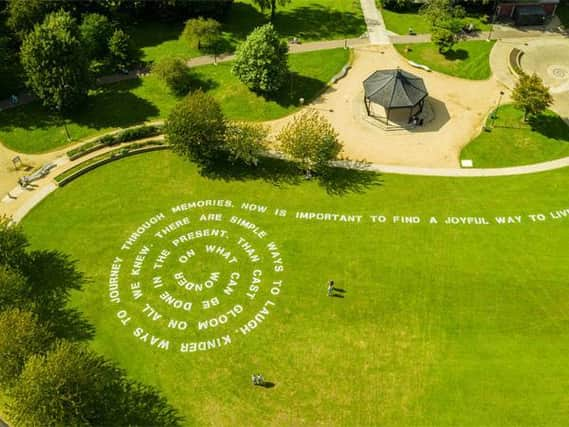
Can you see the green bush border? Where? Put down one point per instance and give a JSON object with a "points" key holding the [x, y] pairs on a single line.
{"points": [[125, 135]]}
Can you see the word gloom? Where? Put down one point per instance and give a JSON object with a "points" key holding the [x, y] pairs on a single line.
{"points": [[196, 277]]}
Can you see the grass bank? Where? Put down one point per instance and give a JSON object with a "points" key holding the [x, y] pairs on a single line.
{"points": [[512, 142], [467, 60]]}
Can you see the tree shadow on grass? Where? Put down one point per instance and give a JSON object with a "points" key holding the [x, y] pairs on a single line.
{"points": [[150, 32], [275, 171], [241, 20], [318, 22], [550, 126], [52, 276], [115, 106], [296, 86], [29, 117], [201, 81], [340, 181], [456, 55], [336, 181]]}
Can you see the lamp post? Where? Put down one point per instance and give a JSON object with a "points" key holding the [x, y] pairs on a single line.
{"points": [[495, 113], [493, 20], [64, 86]]}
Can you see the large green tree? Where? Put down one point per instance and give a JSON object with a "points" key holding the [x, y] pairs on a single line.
{"points": [[95, 31], [196, 127], [311, 140], [40, 281], [22, 15], [21, 336], [54, 62], [69, 386], [15, 292], [121, 50], [271, 5], [446, 22], [531, 95], [262, 60], [13, 243]]}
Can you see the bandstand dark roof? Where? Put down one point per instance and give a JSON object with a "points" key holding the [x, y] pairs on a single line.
{"points": [[394, 89]]}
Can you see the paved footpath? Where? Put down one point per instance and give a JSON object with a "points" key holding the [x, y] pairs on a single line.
{"points": [[377, 33]]}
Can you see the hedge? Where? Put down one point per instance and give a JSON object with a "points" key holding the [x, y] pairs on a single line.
{"points": [[129, 134]]}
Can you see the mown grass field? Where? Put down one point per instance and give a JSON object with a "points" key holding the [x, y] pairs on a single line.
{"points": [[467, 60], [400, 21], [511, 142], [438, 324], [308, 20], [32, 129]]}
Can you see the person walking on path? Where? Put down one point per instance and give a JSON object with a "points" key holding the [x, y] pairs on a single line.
{"points": [[330, 287]]}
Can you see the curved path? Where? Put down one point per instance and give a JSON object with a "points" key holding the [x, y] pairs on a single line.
{"points": [[18, 208]]}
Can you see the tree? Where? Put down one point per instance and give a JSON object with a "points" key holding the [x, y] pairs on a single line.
{"points": [[443, 38], [245, 142], [272, 5], [262, 60], [24, 14], [95, 31], [70, 386], [13, 243], [121, 50], [21, 336], [202, 33], [196, 127], [446, 22], [175, 73], [14, 289], [311, 140], [54, 62], [437, 11], [531, 95]]}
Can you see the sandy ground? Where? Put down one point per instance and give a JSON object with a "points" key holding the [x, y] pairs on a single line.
{"points": [[459, 106]]}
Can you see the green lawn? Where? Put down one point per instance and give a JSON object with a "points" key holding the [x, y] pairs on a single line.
{"points": [[511, 142], [308, 19], [400, 22], [439, 324], [467, 60], [30, 129]]}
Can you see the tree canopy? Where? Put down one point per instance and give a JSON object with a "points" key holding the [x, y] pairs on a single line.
{"points": [[311, 140], [175, 73], [196, 127], [202, 33], [531, 95], [54, 62], [262, 60], [95, 31]]}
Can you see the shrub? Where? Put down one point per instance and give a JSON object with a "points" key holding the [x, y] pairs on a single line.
{"points": [[175, 73], [245, 142], [196, 127], [139, 132], [202, 33], [311, 140]]}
